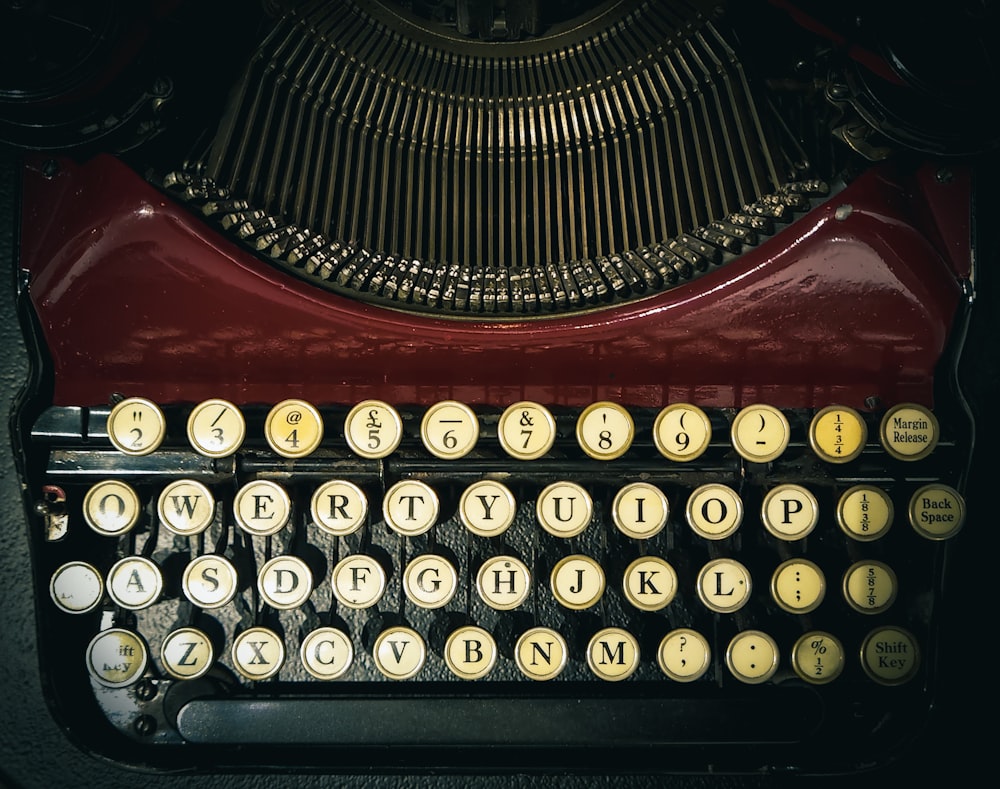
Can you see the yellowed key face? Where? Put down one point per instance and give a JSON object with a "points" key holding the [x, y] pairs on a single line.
{"points": [[186, 653], [216, 428], [613, 654], [714, 511], [285, 582], [605, 430], [870, 586], [186, 507], [752, 657], [564, 509], [649, 583], [258, 653], [724, 585], [470, 652], [798, 586], [136, 426], [326, 653], [541, 653], [937, 512], [684, 655], [117, 657], [294, 428], [682, 432], [790, 512], [410, 507], [373, 429], [577, 581], [865, 512], [358, 581], [838, 434], [135, 582], [339, 507], [430, 581], [640, 510], [760, 433], [526, 430], [503, 582], [487, 508], [262, 507], [818, 657]]}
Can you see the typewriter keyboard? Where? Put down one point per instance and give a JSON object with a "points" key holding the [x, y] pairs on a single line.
{"points": [[289, 546]]}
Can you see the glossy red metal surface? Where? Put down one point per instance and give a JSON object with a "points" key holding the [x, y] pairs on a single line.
{"points": [[135, 295]]}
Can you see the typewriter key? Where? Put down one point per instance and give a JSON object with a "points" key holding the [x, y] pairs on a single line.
{"points": [[640, 510], [216, 428], [870, 586], [136, 426], [714, 511], [818, 657], [724, 585], [186, 653], [487, 508], [449, 430], [503, 582], [294, 428], [111, 508], [76, 587], [470, 652], [838, 434], [789, 512], [258, 653], [430, 581], [117, 657], [262, 507], [399, 653], [649, 583], [135, 582], [410, 507], [890, 655], [541, 653], [526, 430], [605, 430], [613, 654], [752, 657], [373, 429], [577, 581], [937, 512], [285, 582], [358, 581], [798, 586], [760, 433], [564, 509], [210, 581], [186, 507], [909, 432], [326, 653], [682, 432], [339, 507], [684, 655], [865, 512]]}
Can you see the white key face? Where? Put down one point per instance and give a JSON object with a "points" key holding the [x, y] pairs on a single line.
{"points": [[760, 433], [470, 652], [76, 587], [410, 507], [135, 582], [714, 511], [724, 585], [613, 654], [789, 512], [640, 510], [111, 508], [186, 507], [487, 508], [526, 430], [327, 653], [358, 581], [339, 507], [564, 509], [541, 653], [503, 582], [216, 428], [449, 430], [649, 583], [210, 581], [373, 429], [285, 582], [399, 653], [605, 430], [430, 581], [684, 655], [136, 426], [258, 653]]}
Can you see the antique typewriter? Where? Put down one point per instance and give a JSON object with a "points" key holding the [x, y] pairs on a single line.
{"points": [[456, 384]]}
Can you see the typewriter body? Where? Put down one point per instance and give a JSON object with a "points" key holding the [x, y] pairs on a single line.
{"points": [[449, 385]]}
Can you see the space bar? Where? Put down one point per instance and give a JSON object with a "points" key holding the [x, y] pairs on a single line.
{"points": [[780, 716]]}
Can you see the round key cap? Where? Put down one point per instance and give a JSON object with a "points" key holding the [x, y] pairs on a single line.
{"points": [[358, 581], [285, 582], [818, 657], [684, 655], [136, 426], [117, 657], [111, 508], [470, 652], [541, 653], [838, 434], [724, 585], [210, 581], [605, 430], [613, 654], [649, 583], [640, 510], [430, 581], [714, 511], [752, 657], [399, 653], [258, 653], [789, 512], [909, 431], [186, 653], [135, 582], [503, 582], [937, 512], [326, 653], [564, 509], [216, 428], [890, 655], [410, 507], [294, 428], [262, 507], [798, 586], [760, 433], [526, 430], [373, 429], [682, 432], [487, 508], [449, 430], [186, 507], [870, 586], [577, 581], [865, 512], [339, 507], [76, 587]]}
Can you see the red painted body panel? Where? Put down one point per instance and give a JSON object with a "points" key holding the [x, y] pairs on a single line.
{"points": [[135, 295]]}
